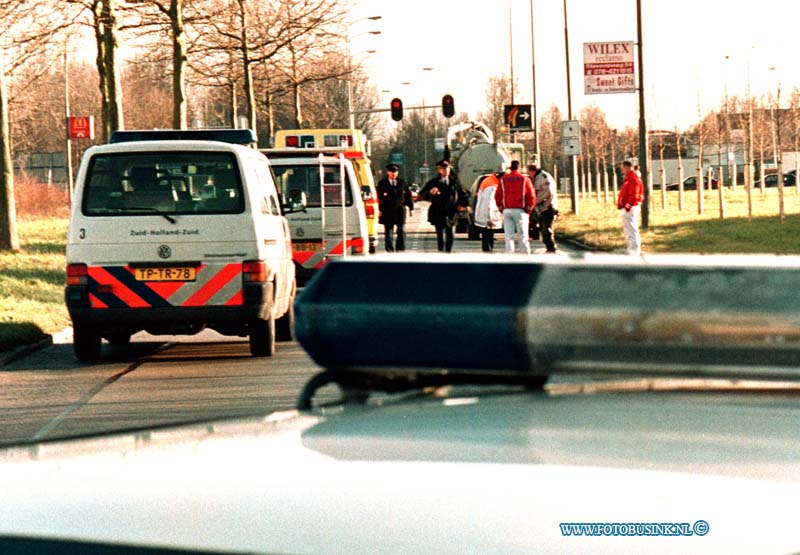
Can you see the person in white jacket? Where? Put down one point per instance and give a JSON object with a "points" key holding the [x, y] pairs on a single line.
{"points": [[487, 216]]}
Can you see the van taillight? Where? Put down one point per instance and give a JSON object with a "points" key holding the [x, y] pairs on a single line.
{"points": [[254, 271], [77, 274], [370, 209], [357, 246]]}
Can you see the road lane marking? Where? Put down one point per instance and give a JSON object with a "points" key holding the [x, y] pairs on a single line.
{"points": [[58, 420]]}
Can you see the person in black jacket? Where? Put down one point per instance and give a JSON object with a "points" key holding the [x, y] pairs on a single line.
{"points": [[393, 198], [445, 195]]}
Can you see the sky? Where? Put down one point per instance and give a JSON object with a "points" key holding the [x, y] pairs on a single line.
{"points": [[694, 52]]}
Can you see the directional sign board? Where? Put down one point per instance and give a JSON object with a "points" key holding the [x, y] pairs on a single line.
{"points": [[81, 127], [608, 67], [518, 117]]}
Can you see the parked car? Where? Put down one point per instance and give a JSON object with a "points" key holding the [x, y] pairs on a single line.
{"points": [[771, 180], [690, 184]]}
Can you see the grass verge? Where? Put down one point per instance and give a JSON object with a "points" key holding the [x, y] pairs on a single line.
{"points": [[32, 284], [673, 230]]}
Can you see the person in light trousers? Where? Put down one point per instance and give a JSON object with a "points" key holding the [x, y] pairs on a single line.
{"points": [[515, 197], [629, 203]]}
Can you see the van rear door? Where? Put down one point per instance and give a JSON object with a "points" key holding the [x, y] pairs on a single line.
{"points": [[319, 235]]}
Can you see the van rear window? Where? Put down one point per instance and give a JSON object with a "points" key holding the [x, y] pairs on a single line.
{"points": [[163, 182], [306, 178]]}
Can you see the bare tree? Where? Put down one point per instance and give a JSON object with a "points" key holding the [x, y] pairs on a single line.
{"points": [[258, 32], [498, 94], [26, 26], [550, 137], [103, 19], [596, 133], [169, 17]]}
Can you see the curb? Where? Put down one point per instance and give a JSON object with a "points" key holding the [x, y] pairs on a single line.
{"points": [[575, 244], [48, 340], [25, 350]]}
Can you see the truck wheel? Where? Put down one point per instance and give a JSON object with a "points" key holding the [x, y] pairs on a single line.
{"points": [[262, 337], [85, 343], [284, 326]]}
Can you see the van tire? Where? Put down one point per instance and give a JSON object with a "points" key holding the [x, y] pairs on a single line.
{"points": [[85, 343], [120, 338], [262, 337], [284, 326]]}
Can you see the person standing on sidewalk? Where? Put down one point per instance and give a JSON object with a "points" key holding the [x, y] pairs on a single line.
{"points": [[393, 198], [629, 203], [546, 203], [516, 198]]}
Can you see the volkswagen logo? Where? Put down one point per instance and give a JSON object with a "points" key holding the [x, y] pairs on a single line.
{"points": [[164, 251], [300, 232]]}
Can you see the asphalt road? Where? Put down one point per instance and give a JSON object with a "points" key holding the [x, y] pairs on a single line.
{"points": [[162, 380]]}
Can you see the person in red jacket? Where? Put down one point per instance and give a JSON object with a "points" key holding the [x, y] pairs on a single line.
{"points": [[629, 203], [515, 198]]}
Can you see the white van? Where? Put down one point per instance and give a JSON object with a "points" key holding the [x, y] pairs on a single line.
{"points": [[318, 235], [173, 236]]}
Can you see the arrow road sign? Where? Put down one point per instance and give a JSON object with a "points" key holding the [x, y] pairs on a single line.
{"points": [[518, 117]]}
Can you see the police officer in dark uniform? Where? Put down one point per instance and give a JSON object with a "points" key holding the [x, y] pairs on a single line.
{"points": [[445, 195], [393, 198]]}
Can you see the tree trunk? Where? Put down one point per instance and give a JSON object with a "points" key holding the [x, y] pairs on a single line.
{"points": [[298, 114], [9, 240], [249, 93], [179, 57], [105, 32]]}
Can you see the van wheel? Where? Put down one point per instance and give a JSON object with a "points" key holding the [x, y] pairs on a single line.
{"points": [[284, 326], [120, 338], [262, 337], [86, 343]]}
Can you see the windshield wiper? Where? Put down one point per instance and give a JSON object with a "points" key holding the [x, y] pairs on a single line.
{"points": [[161, 213]]}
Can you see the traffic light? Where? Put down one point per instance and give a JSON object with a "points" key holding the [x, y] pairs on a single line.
{"points": [[397, 109], [448, 108]]}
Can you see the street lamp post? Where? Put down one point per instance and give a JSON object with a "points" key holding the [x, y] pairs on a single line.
{"points": [[573, 158], [644, 149], [533, 73], [348, 37]]}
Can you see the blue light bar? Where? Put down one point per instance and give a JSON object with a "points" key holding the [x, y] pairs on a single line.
{"points": [[235, 136], [673, 315]]}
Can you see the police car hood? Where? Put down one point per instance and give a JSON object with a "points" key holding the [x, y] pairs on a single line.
{"points": [[470, 474]]}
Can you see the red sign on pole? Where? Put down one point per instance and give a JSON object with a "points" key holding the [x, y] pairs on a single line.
{"points": [[81, 127]]}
